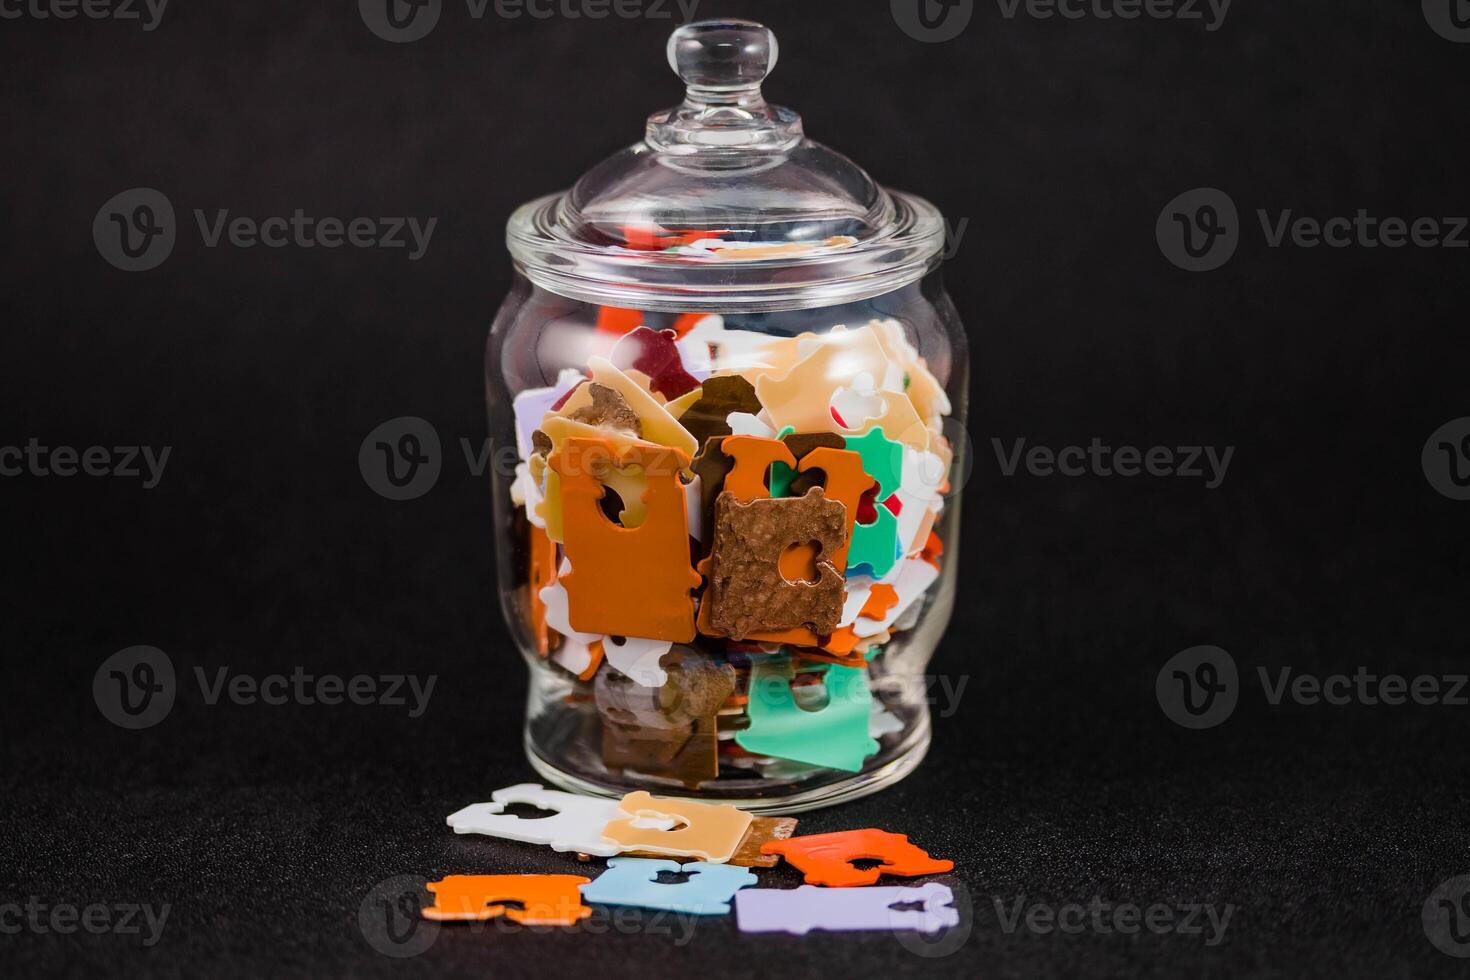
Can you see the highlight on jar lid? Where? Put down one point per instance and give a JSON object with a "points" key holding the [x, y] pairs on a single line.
{"points": [[723, 188]]}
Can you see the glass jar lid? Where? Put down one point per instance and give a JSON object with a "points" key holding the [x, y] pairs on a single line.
{"points": [[725, 205]]}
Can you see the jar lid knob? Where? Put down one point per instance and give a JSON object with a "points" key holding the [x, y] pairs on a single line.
{"points": [[723, 62]]}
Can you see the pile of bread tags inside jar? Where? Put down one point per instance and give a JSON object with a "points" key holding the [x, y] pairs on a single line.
{"points": [[726, 529]]}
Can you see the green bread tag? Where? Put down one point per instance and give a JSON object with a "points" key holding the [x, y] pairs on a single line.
{"points": [[835, 737]]}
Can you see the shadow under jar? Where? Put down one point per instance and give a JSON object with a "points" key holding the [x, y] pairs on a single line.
{"points": [[735, 386]]}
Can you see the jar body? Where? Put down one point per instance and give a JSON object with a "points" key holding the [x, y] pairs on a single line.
{"points": [[755, 718]]}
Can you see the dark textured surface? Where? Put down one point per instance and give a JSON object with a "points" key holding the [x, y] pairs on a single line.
{"points": [[1057, 777]]}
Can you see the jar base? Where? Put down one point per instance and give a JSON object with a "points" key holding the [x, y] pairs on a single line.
{"points": [[906, 758]]}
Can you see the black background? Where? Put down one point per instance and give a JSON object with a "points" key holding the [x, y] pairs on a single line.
{"points": [[1058, 777]]}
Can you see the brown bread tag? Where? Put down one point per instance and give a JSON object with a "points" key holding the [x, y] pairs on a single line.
{"points": [[771, 566]]}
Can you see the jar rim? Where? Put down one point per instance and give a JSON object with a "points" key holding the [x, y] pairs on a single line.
{"points": [[901, 253]]}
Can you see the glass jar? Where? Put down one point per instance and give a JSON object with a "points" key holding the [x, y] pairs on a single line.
{"points": [[735, 386]]}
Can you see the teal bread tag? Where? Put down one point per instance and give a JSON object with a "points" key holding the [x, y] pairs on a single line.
{"points": [[835, 737]]}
